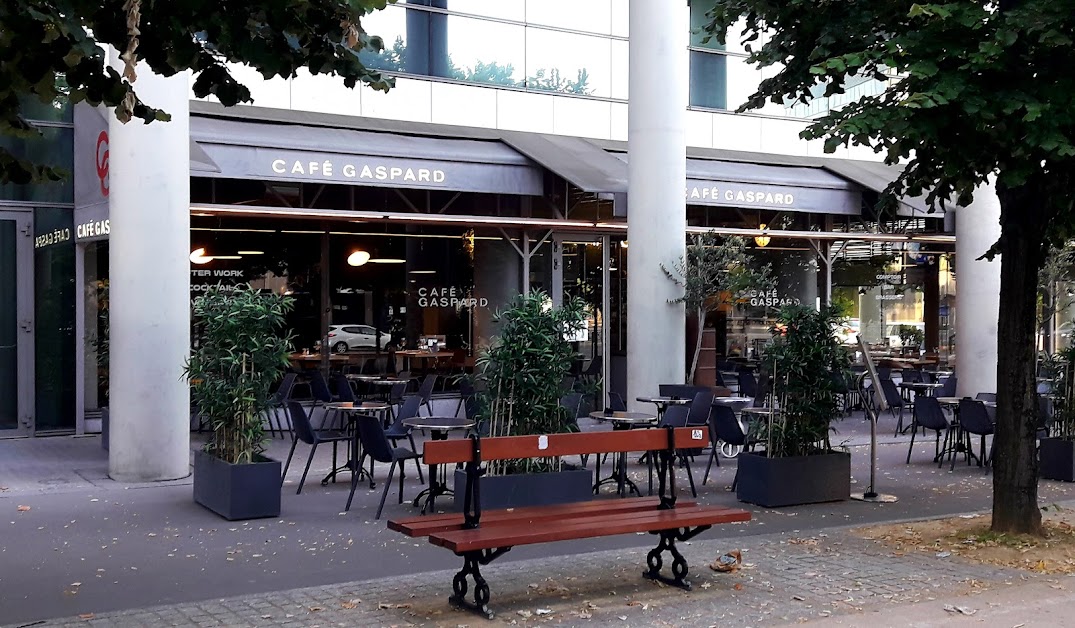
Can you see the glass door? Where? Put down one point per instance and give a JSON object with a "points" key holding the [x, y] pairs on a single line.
{"points": [[581, 269], [16, 325]]}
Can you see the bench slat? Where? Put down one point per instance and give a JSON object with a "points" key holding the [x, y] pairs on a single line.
{"points": [[514, 534], [426, 525], [573, 444]]}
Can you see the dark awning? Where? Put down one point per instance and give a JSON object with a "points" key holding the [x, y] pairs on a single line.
{"points": [[243, 149], [787, 188], [587, 166], [877, 176]]}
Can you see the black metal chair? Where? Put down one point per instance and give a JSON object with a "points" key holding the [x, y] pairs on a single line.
{"points": [[615, 402], [305, 432], [398, 430], [425, 391], [376, 445], [700, 408], [724, 427], [748, 386], [676, 416], [986, 397], [895, 402], [466, 391], [948, 387], [928, 415], [279, 404], [974, 420]]}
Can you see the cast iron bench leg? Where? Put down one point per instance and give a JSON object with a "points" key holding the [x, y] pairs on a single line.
{"points": [[471, 567], [679, 564]]}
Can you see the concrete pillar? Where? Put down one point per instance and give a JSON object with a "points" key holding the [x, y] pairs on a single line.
{"points": [[977, 293], [496, 277], [149, 286], [656, 174]]}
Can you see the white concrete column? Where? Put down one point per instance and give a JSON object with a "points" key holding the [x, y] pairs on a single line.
{"points": [[149, 286], [656, 203], [977, 293]]}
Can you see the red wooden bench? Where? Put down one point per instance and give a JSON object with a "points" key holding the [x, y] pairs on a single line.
{"points": [[480, 538]]}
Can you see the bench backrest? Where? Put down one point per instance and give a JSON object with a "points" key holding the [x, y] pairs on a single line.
{"points": [[571, 444]]}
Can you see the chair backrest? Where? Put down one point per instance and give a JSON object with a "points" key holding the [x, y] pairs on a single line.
{"points": [[374, 441], [319, 387], [369, 367], [594, 368], [724, 426], [948, 387], [615, 401], [283, 391], [718, 379], [748, 386], [911, 377], [301, 423], [1044, 387], [1045, 412], [409, 409], [571, 402], [343, 389], [973, 417], [928, 377], [466, 388], [425, 391], [892, 396], [404, 375], [396, 391], [700, 408], [928, 413], [683, 391], [884, 372], [986, 397], [675, 416]]}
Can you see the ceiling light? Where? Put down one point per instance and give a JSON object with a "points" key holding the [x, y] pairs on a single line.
{"points": [[227, 257], [358, 258], [251, 252], [623, 244], [388, 260], [762, 240], [198, 256], [423, 272]]}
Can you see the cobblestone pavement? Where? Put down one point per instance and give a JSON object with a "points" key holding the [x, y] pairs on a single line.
{"points": [[784, 580]]}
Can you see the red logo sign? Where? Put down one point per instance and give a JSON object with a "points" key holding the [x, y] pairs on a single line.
{"points": [[102, 161]]}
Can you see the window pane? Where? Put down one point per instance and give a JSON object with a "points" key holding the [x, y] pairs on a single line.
{"points": [[568, 63], [480, 51], [54, 147], [699, 8], [503, 9], [593, 16], [54, 325], [620, 17], [9, 327], [58, 110], [720, 82]]}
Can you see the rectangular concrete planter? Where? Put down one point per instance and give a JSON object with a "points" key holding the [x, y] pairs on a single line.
{"points": [[774, 482], [1057, 457], [237, 491], [528, 489]]}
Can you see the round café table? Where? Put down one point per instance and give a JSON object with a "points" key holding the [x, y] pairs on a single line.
{"points": [[350, 409], [662, 403], [438, 427], [619, 468]]}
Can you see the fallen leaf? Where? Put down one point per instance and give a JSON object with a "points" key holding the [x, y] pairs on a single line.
{"points": [[350, 604], [86, 616], [23, 508], [961, 610], [544, 611], [524, 614], [738, 587], [384, 605]]}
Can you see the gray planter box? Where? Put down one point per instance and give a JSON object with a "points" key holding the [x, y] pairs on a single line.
{"points": [[528, 489], [237, 491], [774, 482], [1057, 456]]}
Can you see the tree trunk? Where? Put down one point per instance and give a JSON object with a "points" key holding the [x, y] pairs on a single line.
{"points": [[1015, 466], [697, 345]]}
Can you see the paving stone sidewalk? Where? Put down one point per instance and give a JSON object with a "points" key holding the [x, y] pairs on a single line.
{"points": [[785, 579]]}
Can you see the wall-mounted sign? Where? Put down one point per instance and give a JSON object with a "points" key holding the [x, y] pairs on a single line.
{"points": [[891, 278], [229, 279], [769, 298], [448, 297], [770, 196], [94, 229]]}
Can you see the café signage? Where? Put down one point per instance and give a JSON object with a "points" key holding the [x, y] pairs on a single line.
{"points": [[448, 297], [769, 298], [773, 196], [56, 236], [357, 171], [93, 229], [741, 197]]}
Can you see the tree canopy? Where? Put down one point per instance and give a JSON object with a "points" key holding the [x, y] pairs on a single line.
{"points": [[978, 91], [54, 49]]}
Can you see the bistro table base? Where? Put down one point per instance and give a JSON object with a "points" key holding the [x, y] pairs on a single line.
{"points": [[624, 484]]}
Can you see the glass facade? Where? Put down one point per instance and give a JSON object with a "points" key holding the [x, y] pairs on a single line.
{"points": [[9, 326], [54, 328], [561, 46]]}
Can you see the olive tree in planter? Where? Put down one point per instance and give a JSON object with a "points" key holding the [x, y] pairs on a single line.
{"points": [[1057, 453], [241, 350], [523, 370], [799, 465], [715, 273]]}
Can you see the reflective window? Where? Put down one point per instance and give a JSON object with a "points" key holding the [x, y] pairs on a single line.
{"points": [[718, 81], [54, 324], [502, 9], [592, 16], [568, 63], [54, 147]]}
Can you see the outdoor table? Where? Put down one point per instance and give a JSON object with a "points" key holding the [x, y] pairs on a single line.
{"points": [[619, 469], [438, 427], [662, 403], [920, 388], [349, 409], [957, 446]]}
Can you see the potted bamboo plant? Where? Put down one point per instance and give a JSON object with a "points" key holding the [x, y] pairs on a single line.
{"points": [[241, 350], [523, 371], [799, 465]]}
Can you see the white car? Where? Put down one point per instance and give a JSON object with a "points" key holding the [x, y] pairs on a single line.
{"points": [[346, 337]]}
